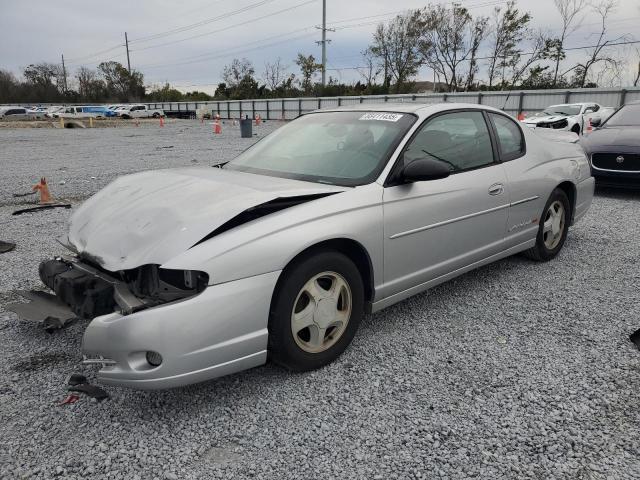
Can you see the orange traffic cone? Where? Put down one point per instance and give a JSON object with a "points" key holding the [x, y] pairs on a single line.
{"points": [[521, 117], [257, 119], [217, 128], [589, 126], [161, 121], [43, 188]]}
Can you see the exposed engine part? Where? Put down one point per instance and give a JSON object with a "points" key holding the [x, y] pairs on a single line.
{"points": [[90, 291]]}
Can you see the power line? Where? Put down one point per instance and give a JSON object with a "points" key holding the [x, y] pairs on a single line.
{"points": [[201, 23], [246, 22]]}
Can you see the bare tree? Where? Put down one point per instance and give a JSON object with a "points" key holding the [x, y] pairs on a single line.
{"points": [[274, 74], [397, 45], [569, 11], [451, 37], [599, 53], [372, 67]]}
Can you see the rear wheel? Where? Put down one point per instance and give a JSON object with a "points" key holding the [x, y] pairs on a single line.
{"points": [[553, 229], [156, 115], [316, 311]]}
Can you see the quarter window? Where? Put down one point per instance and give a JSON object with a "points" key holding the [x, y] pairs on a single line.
{"points": [[459, 139], [509, 136]]}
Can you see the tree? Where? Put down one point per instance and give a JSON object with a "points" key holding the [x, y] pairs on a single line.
{"points": [[166, 93], [397, 46], [451, 37], [308, 69], [598, 53], [45, 82], [274, 74], [509, 30], [9, 87], [90, 87], [239, 80], [121, 84], [569, 10], [371, 69]]}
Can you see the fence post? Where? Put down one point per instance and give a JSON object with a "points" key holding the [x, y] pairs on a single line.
{"points": [[623, 96], [240, 106], [228, 110], [479, 98], [567, 96], [444, 97], [339, 101], [386, 98], [361, 99], [267, 104], [253, 109], [520, 103], [284, 117], [319, 103], [299, 106]]}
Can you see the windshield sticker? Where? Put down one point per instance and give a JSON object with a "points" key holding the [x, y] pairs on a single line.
{"points": [[386, 117]]}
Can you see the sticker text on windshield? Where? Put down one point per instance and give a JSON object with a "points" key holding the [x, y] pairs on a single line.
{"points": [[386, 117]]}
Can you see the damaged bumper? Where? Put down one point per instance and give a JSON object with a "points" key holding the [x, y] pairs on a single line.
{"points": [[221, 331]]}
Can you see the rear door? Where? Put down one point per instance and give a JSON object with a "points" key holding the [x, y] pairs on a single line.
{"points": [[435, 227]]}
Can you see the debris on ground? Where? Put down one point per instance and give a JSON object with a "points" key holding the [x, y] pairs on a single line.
{"points": [[43, 307], [24, 194], [635, 338], [6, 246], [71, 398], [91, 390], [76, 379], [42, 207]]}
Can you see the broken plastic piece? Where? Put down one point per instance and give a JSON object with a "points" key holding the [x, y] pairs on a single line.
{"points": [[635, 338], [71, 398], [76, 379], [91, 390], [43, 307], [42, 207], [6, 246]]}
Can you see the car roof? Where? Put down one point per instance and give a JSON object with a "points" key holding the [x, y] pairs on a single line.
{"points": [[413, 107]]}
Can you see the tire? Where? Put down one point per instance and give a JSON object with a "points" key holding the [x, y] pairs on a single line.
{"points": [[549, 243], [156, 115], [576, 129], [126, 117], [308, 349]]}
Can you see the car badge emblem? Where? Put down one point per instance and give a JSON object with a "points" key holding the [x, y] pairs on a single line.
{"points": [[620, 159]]}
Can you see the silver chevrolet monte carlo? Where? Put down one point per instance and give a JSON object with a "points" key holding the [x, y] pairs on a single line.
{"points": [[195, 273]]}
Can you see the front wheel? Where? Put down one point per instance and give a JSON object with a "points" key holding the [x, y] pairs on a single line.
{"points": [[553, 229], [156, 115], [316, 311]]}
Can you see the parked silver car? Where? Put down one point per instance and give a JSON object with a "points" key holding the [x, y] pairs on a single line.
{"points": [[194, 273]]}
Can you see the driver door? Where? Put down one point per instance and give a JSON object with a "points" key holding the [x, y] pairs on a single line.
{"points": [[435, 227]]}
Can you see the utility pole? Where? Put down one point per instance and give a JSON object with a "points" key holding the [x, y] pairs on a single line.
{"points": [[126, 44], [64, 75], [324, 41]]}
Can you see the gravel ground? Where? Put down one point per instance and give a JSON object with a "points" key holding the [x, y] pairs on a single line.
{"points": [[516, 370]]}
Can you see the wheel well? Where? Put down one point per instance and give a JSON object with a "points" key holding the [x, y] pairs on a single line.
{"points": [[570, 189], [356, 252]]}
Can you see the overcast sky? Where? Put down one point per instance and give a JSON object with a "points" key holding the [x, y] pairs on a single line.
{"points": [[161, 44]]}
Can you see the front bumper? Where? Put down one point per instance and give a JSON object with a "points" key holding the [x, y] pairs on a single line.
{"points": [[221, 331]]}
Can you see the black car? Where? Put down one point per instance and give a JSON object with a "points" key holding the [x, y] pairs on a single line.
{"points": [[613, 148]]}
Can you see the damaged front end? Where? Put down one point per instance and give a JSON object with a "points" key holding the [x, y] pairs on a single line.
{"points": [[90, 291]]}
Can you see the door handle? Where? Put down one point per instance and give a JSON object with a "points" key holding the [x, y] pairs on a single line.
{"points": [[496, 189]]}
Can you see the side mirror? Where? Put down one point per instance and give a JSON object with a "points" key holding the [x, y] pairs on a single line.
{"points": [[595, 122], [423, 169]]}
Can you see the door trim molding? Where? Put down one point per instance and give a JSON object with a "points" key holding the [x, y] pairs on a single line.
{"points": [[447, 222]]}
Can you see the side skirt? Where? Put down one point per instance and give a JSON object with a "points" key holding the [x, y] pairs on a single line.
{"points": [[397, 297]]}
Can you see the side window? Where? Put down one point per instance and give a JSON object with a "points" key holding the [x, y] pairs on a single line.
{"points": [[13, 111], [459, 139], [510, 136]]}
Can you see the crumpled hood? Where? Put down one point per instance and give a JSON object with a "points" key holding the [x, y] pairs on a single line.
{"points": [[545, 119], [150, 217]]}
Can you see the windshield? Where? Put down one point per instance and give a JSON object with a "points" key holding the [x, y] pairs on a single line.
{"points": [[562, 110], [627, 116], [342, 148]]}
